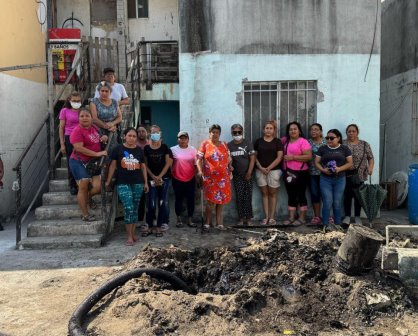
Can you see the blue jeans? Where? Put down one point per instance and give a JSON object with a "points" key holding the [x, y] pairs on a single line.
{"points": [[332, 190], [315, 188], [158, 196]]}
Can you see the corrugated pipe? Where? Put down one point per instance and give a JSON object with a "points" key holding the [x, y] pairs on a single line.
{"points": [[77, 319]]}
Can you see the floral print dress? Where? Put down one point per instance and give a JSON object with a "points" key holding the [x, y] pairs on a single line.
{"points": [[216, 178]]}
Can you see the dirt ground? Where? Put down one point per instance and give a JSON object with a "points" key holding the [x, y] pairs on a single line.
{"points": [[248, 283]]}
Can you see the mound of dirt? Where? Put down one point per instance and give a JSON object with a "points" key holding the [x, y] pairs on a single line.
{"points": [[282, 283]]}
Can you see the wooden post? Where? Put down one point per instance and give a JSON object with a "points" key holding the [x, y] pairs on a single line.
{"points": [[358, 250], [97, 76]]}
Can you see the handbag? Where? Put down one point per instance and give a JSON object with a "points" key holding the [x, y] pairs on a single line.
{"points": [[92, 166], [291, 176], [352, 176]]}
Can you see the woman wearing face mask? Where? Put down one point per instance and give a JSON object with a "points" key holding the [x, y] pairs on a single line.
{"points": [[131, 179], [213, 167], [363, 164], [243, 160], [333, 160], [158, 159], [316, 141], [68, 121], [106, 113]]}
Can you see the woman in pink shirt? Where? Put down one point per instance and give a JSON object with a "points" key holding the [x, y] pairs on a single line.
{"points": [[297, 153], [68, 121], [183, 174]]}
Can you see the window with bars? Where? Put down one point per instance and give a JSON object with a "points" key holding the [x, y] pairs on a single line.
{"points": [[283, 101], [137, 9]]}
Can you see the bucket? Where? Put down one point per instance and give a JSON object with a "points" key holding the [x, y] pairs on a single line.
{"points": [[413, 193], [358, 250]]}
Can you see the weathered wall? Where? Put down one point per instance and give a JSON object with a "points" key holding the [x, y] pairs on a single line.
{"points": [[211, 92], [398, 73], [162, 23], [278, 26], [399, 37], [23, 93], [81, 11], [224, 43]]}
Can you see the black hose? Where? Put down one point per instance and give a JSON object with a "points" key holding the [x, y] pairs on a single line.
{"points": [[77, 319]]}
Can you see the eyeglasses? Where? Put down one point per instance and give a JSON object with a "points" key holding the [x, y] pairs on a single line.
{"points": [[236, 132], [330, 138]]}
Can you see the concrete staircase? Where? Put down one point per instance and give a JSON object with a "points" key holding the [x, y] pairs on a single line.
{"points": [[58, 221]]}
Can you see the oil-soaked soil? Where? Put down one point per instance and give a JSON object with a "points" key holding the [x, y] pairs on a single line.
{"points": [[281, 283]]}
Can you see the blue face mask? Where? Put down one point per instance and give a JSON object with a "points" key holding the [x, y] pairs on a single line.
{"points": [[155, 137]]}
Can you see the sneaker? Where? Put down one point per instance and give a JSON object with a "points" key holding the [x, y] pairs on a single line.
{"points": [[164, 227], [346, 220], [331, 220], [357, 220]]}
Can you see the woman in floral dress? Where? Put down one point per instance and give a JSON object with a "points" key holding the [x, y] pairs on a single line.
{"points": [[213, 164]]}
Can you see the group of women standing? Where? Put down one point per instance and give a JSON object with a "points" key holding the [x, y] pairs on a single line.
{"points": [[329, 166]]}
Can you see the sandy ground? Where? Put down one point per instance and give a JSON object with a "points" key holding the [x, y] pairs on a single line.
{"points": [[41, 289]]}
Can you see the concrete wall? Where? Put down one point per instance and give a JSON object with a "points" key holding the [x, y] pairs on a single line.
{"points": [[226, 43], [162, 23], [399, 37], [398, 72], [81, 10], [23, 93], [278, 26]]}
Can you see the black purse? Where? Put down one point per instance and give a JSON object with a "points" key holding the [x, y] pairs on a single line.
{"points": [[92, 166], [291, 176]]}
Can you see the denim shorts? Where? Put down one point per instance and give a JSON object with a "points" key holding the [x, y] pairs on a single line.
{"points": [[79, 170]]}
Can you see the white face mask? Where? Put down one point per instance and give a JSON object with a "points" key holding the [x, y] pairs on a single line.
{"points": [[237, 137], [75, 106]]}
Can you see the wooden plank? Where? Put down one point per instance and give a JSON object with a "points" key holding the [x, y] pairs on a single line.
{"points": [[96, 60], [103, 62], [109, 53]]}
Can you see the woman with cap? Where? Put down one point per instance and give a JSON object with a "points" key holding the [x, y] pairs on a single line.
{"points": [[118, 90], [106, 112], [213, 161], [183, 177], [243, 160]]}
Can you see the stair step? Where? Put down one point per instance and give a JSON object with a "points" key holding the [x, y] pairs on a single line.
{"points": [[64, 197], [61, 173], [58, 185], [63, 212], [64, 227], [62, 242]]}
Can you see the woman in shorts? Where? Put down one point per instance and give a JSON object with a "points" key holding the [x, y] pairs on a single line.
{"points": [[86, 140], [269, 154]]}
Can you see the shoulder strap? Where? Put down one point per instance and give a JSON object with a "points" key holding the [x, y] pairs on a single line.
{"points": [[364, 153]]}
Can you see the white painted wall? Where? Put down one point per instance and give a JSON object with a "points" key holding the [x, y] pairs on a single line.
{"points": [[211, 84], [81, 10], [396, 123], [162, 23], [23, 103]]}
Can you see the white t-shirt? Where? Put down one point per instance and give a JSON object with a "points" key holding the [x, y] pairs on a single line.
{"points": [[118, 92]]}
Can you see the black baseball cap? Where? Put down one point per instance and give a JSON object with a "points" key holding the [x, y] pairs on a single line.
{"points": [[107, 70]]}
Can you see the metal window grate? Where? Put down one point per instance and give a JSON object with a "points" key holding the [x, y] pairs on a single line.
{"points": [[283, 101]]}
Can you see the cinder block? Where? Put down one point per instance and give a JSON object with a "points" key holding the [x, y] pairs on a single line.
{"points": [[408, 264], [389, 259]]}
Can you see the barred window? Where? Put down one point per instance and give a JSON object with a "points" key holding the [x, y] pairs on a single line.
{"points": [[283, 101]]}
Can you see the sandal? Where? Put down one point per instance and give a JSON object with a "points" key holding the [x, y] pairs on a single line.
{"points": [[179, 224], [272, 221], [88, 218], [298, 222], [288, 222], [129, 243], [191, 224], [315, 221], [92, 204], [264, 221], [159, 232], [220, 227]]}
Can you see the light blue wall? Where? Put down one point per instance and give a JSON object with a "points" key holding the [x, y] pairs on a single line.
{"points": [[161, 91], [211, 92]]}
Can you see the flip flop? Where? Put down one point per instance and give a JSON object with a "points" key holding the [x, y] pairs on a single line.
{"points": [[129, 243], [220, 227], [288, 222], [264, 221], [298, 222]]}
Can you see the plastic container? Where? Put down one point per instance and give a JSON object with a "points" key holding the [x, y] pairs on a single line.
{"points": [[413, 193]]}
